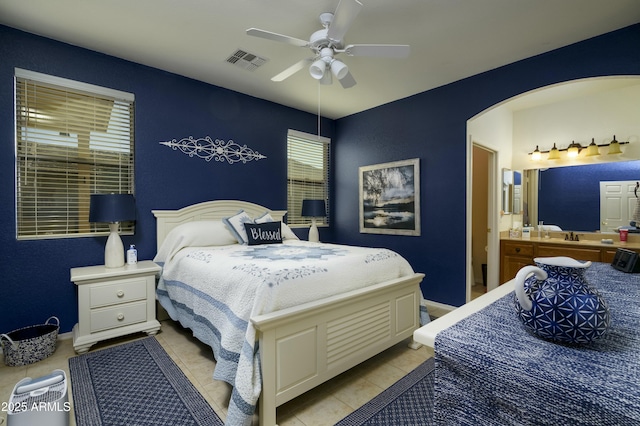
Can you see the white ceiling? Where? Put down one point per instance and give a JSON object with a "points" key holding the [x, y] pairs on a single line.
{"points": [[450, 39]]}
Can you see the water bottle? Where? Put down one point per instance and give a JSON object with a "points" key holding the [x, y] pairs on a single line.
{"points": [[132, 255]]}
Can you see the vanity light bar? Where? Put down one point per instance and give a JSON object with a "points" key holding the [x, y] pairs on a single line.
{"points": [[575, 148]]}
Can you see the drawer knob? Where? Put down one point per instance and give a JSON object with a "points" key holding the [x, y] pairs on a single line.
{"points": [[120, 294], [517, 249], [120, 317]]}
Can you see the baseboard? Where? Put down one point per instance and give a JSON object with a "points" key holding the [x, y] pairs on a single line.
{"points": [[65, 336], [438, 309]]}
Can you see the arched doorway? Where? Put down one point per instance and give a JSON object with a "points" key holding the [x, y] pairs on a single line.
{"points": [[494, 127]]}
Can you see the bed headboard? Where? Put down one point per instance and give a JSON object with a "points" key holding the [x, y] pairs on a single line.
{"points": [[166, 220]]}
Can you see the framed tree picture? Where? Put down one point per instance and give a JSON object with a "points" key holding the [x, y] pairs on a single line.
{"points": [[390, 198]]}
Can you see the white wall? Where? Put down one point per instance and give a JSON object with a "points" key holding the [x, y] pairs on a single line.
{"points": [[494, 132], [494, 129]]}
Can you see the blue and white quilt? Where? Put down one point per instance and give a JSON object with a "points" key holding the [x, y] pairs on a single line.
{"points": [[216, 290]]}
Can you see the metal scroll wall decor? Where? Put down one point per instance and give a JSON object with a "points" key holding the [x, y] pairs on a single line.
{"points": [[218, 150]]}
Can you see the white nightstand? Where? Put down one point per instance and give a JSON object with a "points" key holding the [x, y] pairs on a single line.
{"points": [[113, 302]]}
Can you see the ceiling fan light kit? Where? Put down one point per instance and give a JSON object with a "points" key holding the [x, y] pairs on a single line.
{"points": [[317, 69], [328, 42], [339, 69]]}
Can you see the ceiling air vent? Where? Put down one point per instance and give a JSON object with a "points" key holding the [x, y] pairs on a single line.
{"points": [[246, 60]]}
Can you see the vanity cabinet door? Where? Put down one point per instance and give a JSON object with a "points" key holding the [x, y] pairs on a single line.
{"points": [[608, 255], [511, 265], [514, 255]]}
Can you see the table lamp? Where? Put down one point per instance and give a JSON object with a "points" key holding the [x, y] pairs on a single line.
{"points": [[113, 209], [313, 209]]}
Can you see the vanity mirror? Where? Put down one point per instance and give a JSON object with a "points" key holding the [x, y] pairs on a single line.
{"points": [[570, 197], [511, 191]]}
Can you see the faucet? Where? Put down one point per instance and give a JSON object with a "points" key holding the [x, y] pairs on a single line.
{"points": [[571, 237]]}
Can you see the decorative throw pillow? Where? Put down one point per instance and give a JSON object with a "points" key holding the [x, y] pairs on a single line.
{"points": [[235, 224], [263, 233], [287, 233]]}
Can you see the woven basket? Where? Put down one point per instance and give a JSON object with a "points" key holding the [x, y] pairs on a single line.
{"points": [[30, 344]]}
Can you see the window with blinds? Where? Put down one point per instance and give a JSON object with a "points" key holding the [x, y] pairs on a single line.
{"points": [[307, 174], [72, 140]]}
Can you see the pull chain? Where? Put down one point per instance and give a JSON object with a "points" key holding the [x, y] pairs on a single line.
{"points": [[318, 111]]}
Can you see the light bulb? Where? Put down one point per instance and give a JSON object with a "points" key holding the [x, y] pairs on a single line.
{"points": [[317, 69], [574, 150], [554, 154], [614, 146], [535, 155], [592, 149], [339, 69]]}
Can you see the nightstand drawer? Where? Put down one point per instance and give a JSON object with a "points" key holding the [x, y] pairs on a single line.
{"points": [[121, 291], [118, 316]]}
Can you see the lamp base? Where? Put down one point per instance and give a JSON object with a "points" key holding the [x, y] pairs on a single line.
{"points": [[314, 236], [114, 250]]}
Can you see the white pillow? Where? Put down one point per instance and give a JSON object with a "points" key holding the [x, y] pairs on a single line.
{"points": [[264, 218], [235, 224], [202, 233], [287, 233]]}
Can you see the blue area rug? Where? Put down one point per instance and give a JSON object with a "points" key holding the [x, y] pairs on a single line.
{"points": [[138, 384], [409, 401]]}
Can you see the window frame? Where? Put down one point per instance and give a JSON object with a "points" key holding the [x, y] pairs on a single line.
{"points": [[82, 157], [294, 199]]}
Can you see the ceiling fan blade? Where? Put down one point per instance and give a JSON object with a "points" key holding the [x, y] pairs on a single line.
{"points": [[344, 15], [380, 50], [292, 70], [348, 81], [255, 32]]}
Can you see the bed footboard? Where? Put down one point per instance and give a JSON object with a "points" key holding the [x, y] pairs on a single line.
{"points": [[304, 346]]}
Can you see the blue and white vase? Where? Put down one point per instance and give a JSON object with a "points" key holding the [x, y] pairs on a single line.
{"points": [[557, 303]]}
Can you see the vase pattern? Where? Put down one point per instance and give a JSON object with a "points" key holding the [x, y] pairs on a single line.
{"points": [[564, 308]]}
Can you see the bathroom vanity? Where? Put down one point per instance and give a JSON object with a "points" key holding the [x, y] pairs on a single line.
{"points": [[516, 253]]}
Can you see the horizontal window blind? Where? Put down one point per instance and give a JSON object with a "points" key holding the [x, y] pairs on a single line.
{"points": [[72, 140], [307, 174]]}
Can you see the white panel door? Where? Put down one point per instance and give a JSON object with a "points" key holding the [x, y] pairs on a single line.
{"points": [[617, 203], [517, 199]]}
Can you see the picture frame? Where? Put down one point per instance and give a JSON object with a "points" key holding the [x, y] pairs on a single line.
{"points": [[389, 198]]}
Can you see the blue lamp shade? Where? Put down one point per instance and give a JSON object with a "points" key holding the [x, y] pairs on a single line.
{"points": [[112, 208], [313, 208]]}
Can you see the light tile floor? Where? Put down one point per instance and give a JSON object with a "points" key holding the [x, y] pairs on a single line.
{"points": [[478, 290], [324, 405]]}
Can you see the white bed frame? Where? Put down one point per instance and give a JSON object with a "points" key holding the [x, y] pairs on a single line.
{"points": [[304, 346], [426, 335]]}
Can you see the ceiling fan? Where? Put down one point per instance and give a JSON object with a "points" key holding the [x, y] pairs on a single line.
{"points": [[328, 42]]}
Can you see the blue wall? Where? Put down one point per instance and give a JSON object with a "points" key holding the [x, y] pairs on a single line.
{"points": [[561, 189], [35, 274], [430, 126]]}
